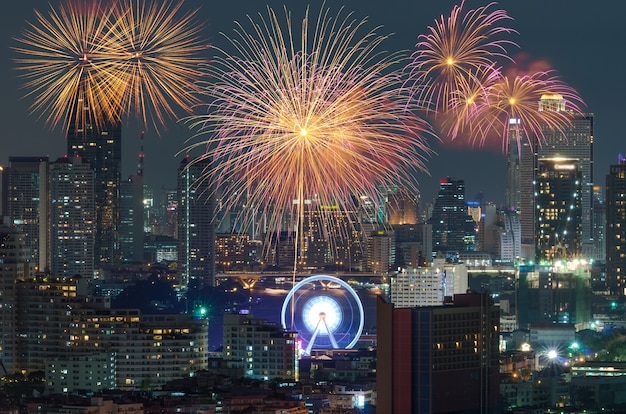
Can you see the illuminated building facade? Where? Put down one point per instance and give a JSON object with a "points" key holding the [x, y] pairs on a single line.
{"points": [[196, 224], [575, 142], [438, 359], [380, 252], [102, 149], [236, 251], [69, 373], [428, 286], [27, 204], [451, 223], [150, 350], [558, 209], [599, 224], [42, 318], [72, 218], [616, 228], [262, 350], [402, 208]]}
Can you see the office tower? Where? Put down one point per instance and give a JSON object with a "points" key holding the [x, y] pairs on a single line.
{"points": [[519, 193], [196, 224], [616, 228], [260, 349], [428, 285], [72, 216], [438, 359], [14, 259], [575, 142], [599, 224], [450, 221], [402, 208], [27, 206], [102, 149], [558, 209], [559, 293], [131, 224]]}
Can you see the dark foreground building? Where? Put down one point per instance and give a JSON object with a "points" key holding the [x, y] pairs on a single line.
{"points": [[438, 359]]}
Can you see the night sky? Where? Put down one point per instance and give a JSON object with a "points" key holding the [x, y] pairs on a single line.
{"points": [[583, 41]]}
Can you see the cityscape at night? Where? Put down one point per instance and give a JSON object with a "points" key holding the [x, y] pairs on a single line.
{"points": [[369, 207]]}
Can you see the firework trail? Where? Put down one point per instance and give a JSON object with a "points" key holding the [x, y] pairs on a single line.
{"points": [[316, 114], [64, 64], [455, 71], [515, 100], [156, 50], [87, 63], [455, 50]]}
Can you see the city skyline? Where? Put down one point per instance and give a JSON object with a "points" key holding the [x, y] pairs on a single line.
{"points": [[543, 37]]}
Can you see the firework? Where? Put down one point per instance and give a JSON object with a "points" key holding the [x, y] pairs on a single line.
{"points": [[468, 102], [318, 114], [64, 65], [455, 50], [531, 103], [86, 63], [156, 50]]}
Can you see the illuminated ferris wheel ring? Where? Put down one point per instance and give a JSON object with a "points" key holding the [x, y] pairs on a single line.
{"points": [[322, 315]]}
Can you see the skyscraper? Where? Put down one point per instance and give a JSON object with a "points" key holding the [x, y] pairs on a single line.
{"points": [[450, 221], [616, 228], [519, 196], [27, 206], [575, 142], [13, 256], [438, 359], [131, 223], [196, 223], [102, 148], [72, 237], [558, 215], [402, 208]]}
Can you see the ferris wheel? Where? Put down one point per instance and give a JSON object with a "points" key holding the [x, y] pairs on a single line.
{"points": [[325, 311]]}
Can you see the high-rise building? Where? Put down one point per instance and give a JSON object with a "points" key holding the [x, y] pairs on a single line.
{"points": [[131, 223], [72, 218], [450, 221], [428, 286], [558, 209], [616, 228], [260, 349], [102, 148], [402, 207], [381, 252], [27, 204], [438, 359], [574, 142], [559, 293], [519, 195], [196, 224], [599, 224], [15, 266], [150, 350]]}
